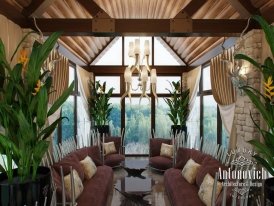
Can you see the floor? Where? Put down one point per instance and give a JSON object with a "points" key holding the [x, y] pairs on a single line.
{"points": [[158, 197]]}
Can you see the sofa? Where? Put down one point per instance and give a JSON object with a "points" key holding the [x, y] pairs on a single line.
{"points": [[180, 191], [96, 189], [114, 159]]}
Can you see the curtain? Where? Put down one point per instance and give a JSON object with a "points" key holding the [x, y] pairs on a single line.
{"points": [[222, 89], [193, 81]]}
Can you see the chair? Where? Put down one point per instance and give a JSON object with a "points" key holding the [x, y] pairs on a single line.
{"points": [[114, 159], [156, 161]]}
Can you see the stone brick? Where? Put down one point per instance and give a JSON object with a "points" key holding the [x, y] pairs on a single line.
{"points": [[241, 117], [248, 129], [239, 110]]}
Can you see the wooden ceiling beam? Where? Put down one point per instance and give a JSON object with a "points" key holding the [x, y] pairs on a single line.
{"points": [[244, 7], [32, 7], [13, 14], [142, 27], [92, 7], [121, 69], [192, 7]]}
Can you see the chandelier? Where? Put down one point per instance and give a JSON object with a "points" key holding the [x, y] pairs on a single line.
{"points": [[141, 65]]}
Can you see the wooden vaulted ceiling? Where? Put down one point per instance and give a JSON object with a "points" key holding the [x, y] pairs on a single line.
{"points": [[190, 49]]}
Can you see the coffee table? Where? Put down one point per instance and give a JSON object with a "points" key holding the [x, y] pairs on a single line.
{"points": [[135, 168]]}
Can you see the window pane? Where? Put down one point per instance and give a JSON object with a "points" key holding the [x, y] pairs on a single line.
{"points": [[112, 55], [225, 137], [71, 74], [68, 124], [210, 118], [111, 81], [206, 78], [142, 42], [193, 124], [138, 126], [163, 55], [162, 121], [115, 117], [163, 83]]}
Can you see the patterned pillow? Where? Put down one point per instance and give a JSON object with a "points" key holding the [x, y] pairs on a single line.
{"points": [[206, 188], [190, 171], [166, 150], [109, 148], [78, 185], [89, 167]]}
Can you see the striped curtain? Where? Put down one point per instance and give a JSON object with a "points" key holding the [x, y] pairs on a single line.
{"points": [[60, 75]]}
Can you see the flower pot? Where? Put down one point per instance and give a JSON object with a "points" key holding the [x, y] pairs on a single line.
{"points": [[102, 129], [269, 191], [176, 129], [28, 192]]}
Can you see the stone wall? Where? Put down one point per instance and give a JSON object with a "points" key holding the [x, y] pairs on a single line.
{"points": [[245, 128]]}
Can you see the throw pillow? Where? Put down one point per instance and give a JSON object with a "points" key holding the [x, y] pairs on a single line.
{"points": [[109, 148], [78, 185], [206, 188], [166, 150], [89, 167], [190, 171]]}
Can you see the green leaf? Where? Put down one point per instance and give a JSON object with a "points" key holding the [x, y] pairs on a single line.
{"points": [[265, 164], [25, 128], [49, 130], [42, 106], [247, 58], [61, 99]]}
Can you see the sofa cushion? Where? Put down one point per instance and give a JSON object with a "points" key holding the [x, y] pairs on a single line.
{"points": [[114, 160], [206, 189], [161, 163], [166, 150], [78, 185], [155, 145], [116, 140], [89, 167], [96, 189], [190, 171], [109, 148], [92, 151], [66, 162], [179, 190]]}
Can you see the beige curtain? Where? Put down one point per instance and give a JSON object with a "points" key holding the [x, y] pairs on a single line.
{"points": [[60, 75], [223, 91], [85, 77]]}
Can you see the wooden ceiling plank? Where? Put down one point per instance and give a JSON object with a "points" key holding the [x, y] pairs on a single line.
{"points": [[92, 7], [192, 7], [156, 27], [175, 52], [101, 50], [13, 14], [244, 7]]}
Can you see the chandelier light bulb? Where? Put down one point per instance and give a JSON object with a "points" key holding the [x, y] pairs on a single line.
{"points": [[153, 76], [131, 49], [146, 50], [137, 46]]}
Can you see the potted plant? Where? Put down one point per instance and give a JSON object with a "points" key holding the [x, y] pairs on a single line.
{"points": [[24, 112], [178, 107], [264, 102], [99, 106]]}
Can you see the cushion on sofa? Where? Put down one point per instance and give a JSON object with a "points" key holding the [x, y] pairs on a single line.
{"points": [[155, 145], [166, 150], [206, 189], [190, 171], [96, 189], [113, 160], [180, 192], [109, 148], [92, 151], [66, 162], [89, 167], [78, 185], [161, 163], [116, 140]]}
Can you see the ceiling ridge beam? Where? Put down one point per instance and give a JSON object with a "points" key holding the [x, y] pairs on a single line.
{"points": [[93, 9], [244, 7], [174, 51], [152, 27], [102, 50]]}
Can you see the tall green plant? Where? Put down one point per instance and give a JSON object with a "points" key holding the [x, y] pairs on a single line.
{"points": [[264, 102], [178, 104], [24, 94], [99, 105]]}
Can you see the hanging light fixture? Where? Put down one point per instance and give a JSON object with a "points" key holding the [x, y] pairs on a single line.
{"points": [[136, 63]]}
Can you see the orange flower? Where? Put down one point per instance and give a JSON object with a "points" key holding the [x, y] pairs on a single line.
{"points": [[23, 59], [37, 88]]}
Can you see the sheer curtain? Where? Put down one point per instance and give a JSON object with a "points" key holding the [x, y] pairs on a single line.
{"points": [[83, 124], [223, 91]]}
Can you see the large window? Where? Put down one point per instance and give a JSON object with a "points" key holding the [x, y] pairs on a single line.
{"points": [[115, 117]]}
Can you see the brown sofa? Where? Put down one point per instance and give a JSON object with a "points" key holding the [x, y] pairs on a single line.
{"points": [[96, 189], [115, 159], [182, 193], [155, 160]]}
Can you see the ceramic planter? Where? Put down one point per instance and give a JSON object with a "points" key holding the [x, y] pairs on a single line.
{"points": [[28, 192]]}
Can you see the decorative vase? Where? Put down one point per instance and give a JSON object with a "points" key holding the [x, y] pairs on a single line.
{"points": [[102, 129], [269, 191], [28, 192], [176, 129]]}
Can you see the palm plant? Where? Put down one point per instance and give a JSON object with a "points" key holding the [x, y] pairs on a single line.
{"points": [[24, 94], [264, 102]]}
